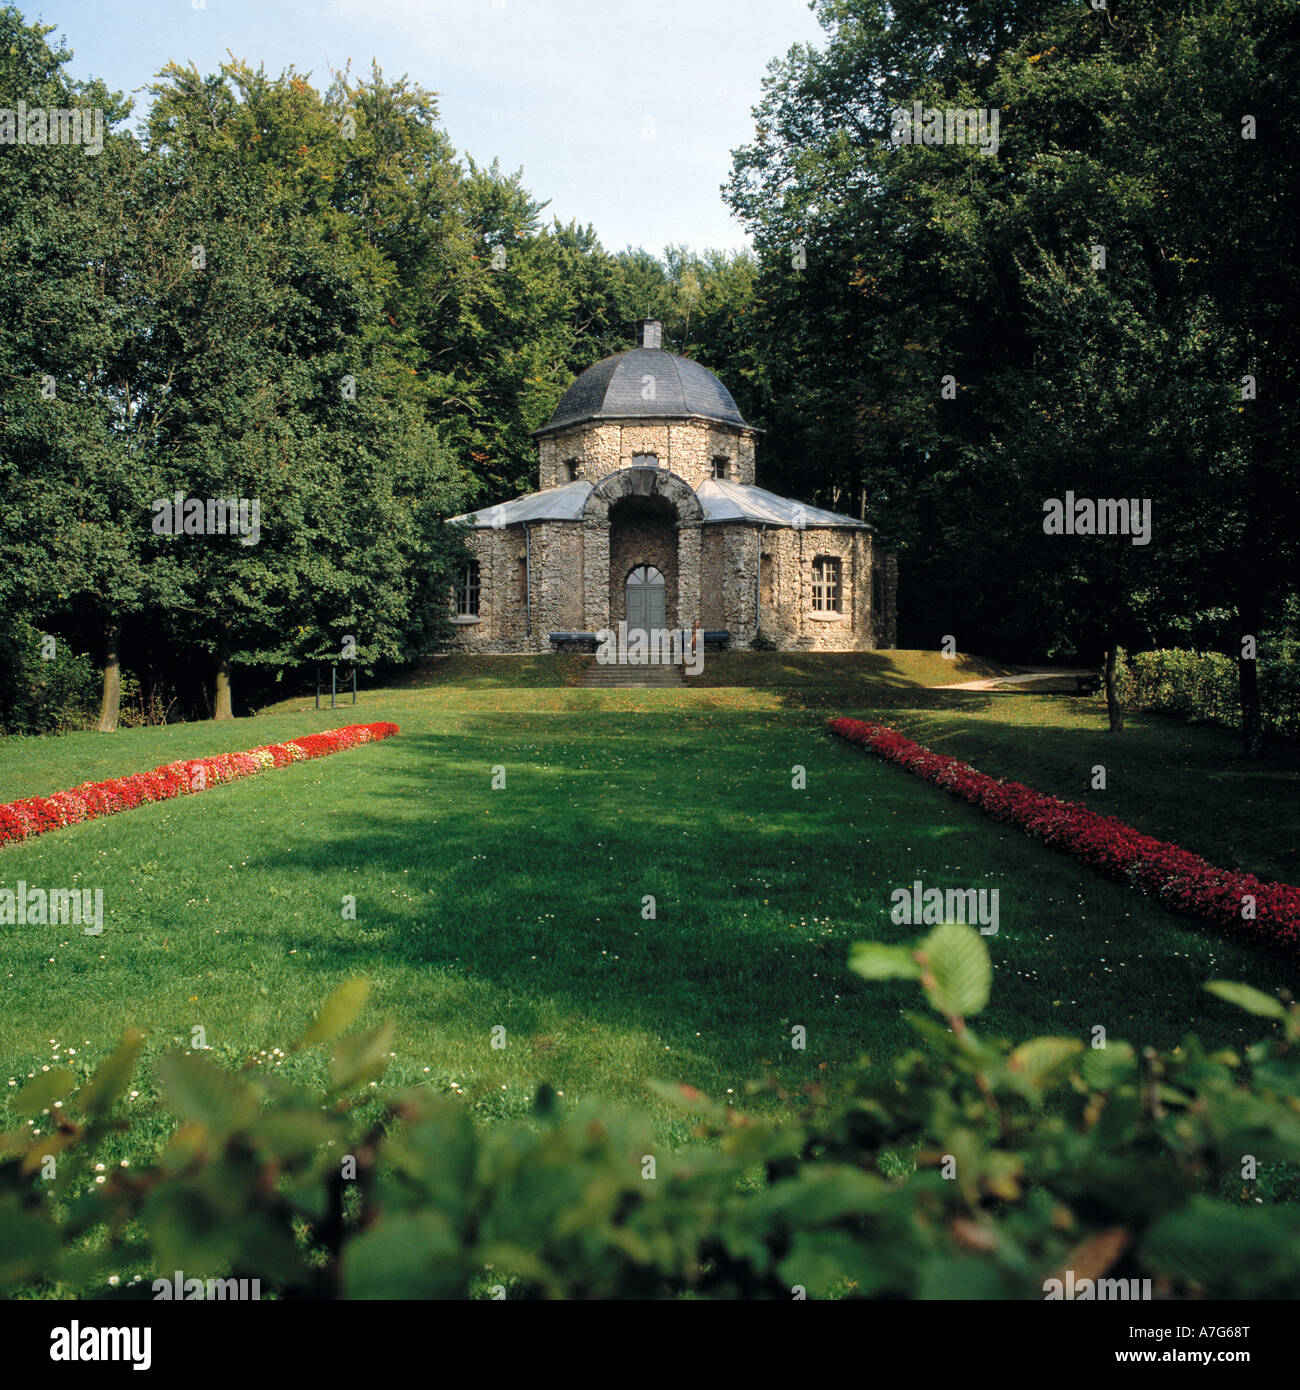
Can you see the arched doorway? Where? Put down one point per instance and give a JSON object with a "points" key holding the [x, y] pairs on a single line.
{"points": [[646, 592], [641, 518]]}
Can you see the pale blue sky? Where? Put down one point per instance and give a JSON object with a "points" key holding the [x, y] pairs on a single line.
{"points": [[564, 88]]}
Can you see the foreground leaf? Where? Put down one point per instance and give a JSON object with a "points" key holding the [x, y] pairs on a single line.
{"points": [[959, 962], [41, 1093], [338, 1013]]}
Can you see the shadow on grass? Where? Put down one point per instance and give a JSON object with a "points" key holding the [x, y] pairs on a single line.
{"points": [[538, 893], [885, 671]]}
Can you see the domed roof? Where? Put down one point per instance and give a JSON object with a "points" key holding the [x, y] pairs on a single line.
{"points": [[616, 388]]}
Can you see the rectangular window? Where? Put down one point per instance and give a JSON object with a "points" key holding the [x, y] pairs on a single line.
{"points": [[826, 584], [721, 466], [467, 591], [571, 471], [765, 580]]}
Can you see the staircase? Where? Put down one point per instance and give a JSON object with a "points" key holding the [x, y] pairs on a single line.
{"points": [[612, 677]]}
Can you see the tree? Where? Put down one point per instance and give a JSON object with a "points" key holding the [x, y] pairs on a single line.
{"points": [[888, 268], [77, 286]]}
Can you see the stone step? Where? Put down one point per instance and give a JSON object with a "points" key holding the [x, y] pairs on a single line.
{"points": [[612, 677]]}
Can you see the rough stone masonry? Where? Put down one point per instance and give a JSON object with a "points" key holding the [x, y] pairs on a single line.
{"points": [[648, 499]]}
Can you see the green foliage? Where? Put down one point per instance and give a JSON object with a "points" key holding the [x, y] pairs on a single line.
{"points": [[885, 267], [1204, 687], [296, 296], [1190, 684], [39, 696], [1026, 1162]]}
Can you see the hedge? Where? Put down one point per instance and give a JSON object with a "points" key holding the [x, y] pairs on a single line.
{"points": [[1050, 1161]]}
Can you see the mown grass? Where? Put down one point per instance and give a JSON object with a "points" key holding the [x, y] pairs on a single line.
{"points": [[1179, 782], [524, 906], [869, 672]]}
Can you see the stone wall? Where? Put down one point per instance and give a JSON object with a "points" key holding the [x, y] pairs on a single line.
{"points": [[789, 618], [555, 587], [579, 570], [885, 613], [713, 611], [641, 533], [685, 447]]}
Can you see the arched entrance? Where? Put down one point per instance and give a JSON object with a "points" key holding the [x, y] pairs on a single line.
{"points": [[646, 593], [641, 519]]}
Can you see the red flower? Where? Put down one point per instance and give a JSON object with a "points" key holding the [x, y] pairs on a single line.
{"points": [[20, 820], [1176, 877]]}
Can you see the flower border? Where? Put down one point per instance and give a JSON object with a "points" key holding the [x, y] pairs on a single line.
{"points": [[34, 815], [1173, 876]]}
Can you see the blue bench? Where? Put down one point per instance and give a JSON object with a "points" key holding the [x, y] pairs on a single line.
{"points": [[715, 640]]}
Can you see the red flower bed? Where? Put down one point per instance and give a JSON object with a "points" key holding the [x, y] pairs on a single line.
{"points": [[20, 820], [1177, 878]]}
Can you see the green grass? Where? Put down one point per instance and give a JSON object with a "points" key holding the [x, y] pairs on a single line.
{"points": [[1179, 782], [871, 673], [522, 907]]}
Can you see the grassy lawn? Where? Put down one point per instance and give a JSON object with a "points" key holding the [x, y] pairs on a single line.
{"points": [[1180, 782], [871, 673], [523, 906]]}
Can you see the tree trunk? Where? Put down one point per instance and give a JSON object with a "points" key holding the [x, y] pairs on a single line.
{"points": [[222, 700], [1252, 721], [111, 700], [1114, 707]]}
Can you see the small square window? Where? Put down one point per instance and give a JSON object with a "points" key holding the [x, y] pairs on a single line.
{"points": [[721, 467], [571, 470], [826, 584], [467, 590]]}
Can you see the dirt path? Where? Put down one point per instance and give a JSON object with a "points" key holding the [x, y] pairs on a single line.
{"points": [[1043, 673]]}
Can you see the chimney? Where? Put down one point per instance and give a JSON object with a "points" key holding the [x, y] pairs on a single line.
{"points": [[650, 332]]}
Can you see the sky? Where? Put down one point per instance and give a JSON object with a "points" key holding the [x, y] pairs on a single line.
{"points": [[623, 113]]}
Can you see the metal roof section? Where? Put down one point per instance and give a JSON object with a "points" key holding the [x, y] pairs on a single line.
{"points": [[723, 501], [618, 388], [553, 504], [720, 501]]}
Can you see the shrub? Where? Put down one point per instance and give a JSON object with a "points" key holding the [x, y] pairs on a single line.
{"points": [[40, 696], [1026, 1162], [1202, 686]]}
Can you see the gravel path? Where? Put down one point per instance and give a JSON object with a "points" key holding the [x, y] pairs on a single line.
{"points": [[1041, 674]]}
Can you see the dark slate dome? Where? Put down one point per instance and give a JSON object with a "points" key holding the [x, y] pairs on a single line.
{"points": [[612, 389]]}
